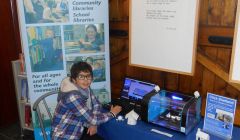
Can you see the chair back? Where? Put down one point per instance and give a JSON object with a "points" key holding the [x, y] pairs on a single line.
{"points": [[44, 108]]}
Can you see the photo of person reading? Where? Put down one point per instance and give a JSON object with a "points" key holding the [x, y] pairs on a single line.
{"points": [[45, 48], [92, 41], [98, 65], [46, 11], [99, 71], [84, 39]]}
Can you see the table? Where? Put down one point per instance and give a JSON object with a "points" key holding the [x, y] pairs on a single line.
{"points": [[120, 130]]}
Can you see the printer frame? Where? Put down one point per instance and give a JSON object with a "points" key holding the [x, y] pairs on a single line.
{"points": [[172, 110]]}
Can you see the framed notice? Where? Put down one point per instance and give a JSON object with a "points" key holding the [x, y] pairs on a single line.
{"points": [[219, 115], [235, 61], [163, 34]]}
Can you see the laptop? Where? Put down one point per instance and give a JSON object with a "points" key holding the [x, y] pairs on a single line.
{"points": [[131, 95], [134, 90]]}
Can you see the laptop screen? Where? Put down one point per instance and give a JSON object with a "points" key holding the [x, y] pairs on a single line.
{"points": [[135, 90]]}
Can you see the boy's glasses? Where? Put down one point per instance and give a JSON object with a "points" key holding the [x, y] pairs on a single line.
{"points": [[83, 77]]}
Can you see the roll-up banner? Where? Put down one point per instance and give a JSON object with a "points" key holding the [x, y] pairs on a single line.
{"points": [[54, 35]]}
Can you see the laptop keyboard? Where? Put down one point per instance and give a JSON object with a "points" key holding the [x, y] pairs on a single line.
{"points": [[126, 105]]}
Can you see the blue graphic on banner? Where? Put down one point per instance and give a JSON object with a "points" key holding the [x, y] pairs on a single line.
{"points": [[219, 116], [38, 133]]}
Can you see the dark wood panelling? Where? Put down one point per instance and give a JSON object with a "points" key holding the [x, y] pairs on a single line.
{"points": [[9, 51], [134, 72], [158, 78], [216, 69], [208, 82], [215, 8], [171, 81], [210, 52], [147, 74], [185, 83], [206, 31], [203, 18], [125, 10], [219, 86], [117, 46], [235, 94], [196, 83], [229, 8], [224, 58], [118, 72]]}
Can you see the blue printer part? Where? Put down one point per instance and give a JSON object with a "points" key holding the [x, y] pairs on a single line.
{"points": [[171, 110]]}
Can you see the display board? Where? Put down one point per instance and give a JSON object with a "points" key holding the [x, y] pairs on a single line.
{"points": [[57, 33], [235, 60], [163, 34], [219, 115]]}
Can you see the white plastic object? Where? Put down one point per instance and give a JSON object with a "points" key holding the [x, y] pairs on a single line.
{"points": [[168, 115], [132, 117], [131, 121], [157, 88], [200, 135], [132, 114], [196, 94], [162, 133], [120, 118]]}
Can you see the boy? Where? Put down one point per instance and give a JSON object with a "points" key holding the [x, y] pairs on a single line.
{"points": [[78, 110]]}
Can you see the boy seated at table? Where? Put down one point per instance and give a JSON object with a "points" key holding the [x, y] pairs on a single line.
{"points": [[78, 112]]}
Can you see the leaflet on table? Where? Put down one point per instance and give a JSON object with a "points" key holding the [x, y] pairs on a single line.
{"points": [[219, 115]]}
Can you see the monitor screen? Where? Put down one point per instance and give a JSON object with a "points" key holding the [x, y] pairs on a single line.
{"points": [[135, 90]]}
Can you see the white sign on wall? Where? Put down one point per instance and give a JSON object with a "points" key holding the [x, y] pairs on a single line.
{"points": [[235, 61], [163, 34]]}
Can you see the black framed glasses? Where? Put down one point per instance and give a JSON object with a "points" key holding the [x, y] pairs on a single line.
{"points": [[83, 77]]}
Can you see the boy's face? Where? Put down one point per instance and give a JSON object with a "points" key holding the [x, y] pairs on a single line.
{"points": [[83, 80]]}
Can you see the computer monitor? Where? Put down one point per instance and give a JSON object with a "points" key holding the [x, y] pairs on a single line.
{"points": [[134, 90]]}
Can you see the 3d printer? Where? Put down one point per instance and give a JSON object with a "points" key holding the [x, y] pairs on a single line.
{"points": [[172, 110]]}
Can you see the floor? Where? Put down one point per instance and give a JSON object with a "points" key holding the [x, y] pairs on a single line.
{"points": [[13, 132]]}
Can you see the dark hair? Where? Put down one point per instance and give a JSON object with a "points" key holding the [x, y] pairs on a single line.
{"points": [[92, 26], [80, 67]]}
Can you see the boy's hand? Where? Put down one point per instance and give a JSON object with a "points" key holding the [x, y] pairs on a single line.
{"points": [[92, 130], [116, 109]]}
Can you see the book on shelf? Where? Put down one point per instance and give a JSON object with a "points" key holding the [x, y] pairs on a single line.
{"points": [[28, 116], [24, 90], [22, 64]]}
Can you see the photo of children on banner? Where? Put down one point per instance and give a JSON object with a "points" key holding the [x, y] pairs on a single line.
{"points": [[45, 48], [97, 63], [46, 11], [92, 40], [102, 94], [84, 38]]}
